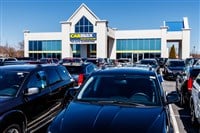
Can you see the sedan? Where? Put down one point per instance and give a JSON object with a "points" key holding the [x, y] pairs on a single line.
{"points": [[117, 100]]}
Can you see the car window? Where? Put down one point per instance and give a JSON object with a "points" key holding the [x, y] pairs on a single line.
{"points": [[134, 89], [198, 79], [90, 68], [36, 81], [64, 73], [10, 82], [176, 63], [75, 69], [53, 76]]}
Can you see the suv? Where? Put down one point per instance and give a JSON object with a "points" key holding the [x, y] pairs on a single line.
{"points": [[184, 84], [80, 71], [173, 67], [116, 100], [31, 95], [195, 102]]}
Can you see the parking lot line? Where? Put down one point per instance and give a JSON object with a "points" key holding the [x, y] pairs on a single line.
{"points": [[174, 122]]}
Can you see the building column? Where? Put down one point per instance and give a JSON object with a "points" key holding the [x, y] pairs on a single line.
{"points": [[66, 48], [185, 43], [164, 49], [101, 29]]}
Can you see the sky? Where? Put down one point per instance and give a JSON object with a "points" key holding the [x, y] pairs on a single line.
{"points": [[46, 15]]}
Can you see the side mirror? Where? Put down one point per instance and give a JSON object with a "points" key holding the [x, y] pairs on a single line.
{"points": [[32, 91], [172, 97]]}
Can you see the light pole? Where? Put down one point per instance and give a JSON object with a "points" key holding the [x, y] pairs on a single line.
{"points": [[194, 50]]}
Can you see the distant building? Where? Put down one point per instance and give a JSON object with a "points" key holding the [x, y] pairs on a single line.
{"points": [[85, 35]]}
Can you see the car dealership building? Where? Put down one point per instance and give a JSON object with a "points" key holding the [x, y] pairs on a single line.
{"points": [[85, 35]]}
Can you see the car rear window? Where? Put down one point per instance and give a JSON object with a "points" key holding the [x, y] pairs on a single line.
{"points": [[74, 69], [194, 72], [176, 63]]}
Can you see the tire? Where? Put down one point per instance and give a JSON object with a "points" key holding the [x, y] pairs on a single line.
{"points": [[193, 117], [13, 128]]}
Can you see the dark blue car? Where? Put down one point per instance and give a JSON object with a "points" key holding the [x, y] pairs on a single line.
{"points": [[173, 68], [117, 100]]}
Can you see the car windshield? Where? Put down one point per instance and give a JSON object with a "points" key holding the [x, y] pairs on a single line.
{"points": [[121, 89], [176, 64], [150, 62], [10, 82]]}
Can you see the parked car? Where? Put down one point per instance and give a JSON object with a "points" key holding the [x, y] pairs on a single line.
{"points": [[31, 96], [80, 71], [71, 60], [48, 60], [172, 68], [184, 83], [152, 62], [3, 60], [115, 100], [195, 102]]}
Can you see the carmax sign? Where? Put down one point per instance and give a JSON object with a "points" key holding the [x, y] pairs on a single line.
{"points": [[83, 36]]}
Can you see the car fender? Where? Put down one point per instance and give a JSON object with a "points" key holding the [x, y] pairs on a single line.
{"points": [[10, 117]]}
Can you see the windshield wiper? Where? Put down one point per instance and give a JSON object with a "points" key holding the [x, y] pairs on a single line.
{"points": [[120, 102]]}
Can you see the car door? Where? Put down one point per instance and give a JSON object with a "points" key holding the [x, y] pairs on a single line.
{"points": [[36, 104], [58, 86], [196, 94]]}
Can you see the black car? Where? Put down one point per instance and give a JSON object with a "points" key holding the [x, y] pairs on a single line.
{"points": [[31, 96], [184, 84], [80, 71], [173, 67], [115, 100]]}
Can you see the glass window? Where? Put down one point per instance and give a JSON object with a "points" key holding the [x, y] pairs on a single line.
{"points": [[31, 48], [115, 87], [83, 25], [36, 81], [64, 73], [39, 45], [53, 76]]}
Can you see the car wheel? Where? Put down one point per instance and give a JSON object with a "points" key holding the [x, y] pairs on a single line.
{"points": [[193, 117], [13, 128]]}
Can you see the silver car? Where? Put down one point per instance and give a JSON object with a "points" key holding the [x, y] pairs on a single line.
{"points": [[195, 102]]}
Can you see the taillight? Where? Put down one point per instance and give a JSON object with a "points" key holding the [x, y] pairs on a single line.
{"points": [[80, 79], [189, 84]]}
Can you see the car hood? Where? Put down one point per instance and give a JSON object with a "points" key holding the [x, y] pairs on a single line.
{"points": [[4, 99], [85, 117]]}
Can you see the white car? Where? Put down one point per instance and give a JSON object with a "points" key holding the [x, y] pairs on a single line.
{"points": [[195, 102]]}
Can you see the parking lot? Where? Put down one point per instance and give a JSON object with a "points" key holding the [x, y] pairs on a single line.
{"points": [[179, 114]]}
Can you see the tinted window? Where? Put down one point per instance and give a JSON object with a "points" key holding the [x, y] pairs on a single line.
{"points": [[64, 73], [90, 68], [75, 69], [122, 89], [10, 82], [53, 76], [176, 63], [194, 72], [37, 81]]}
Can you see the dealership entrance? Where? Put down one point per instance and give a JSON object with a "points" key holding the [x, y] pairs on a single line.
{"points": [[84, 50]]}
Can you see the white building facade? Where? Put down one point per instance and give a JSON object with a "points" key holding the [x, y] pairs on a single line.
{"points": [[85, 35]]}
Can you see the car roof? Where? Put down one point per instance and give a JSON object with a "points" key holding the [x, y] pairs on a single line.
{"points": [[126, 71], [25, 67]]}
